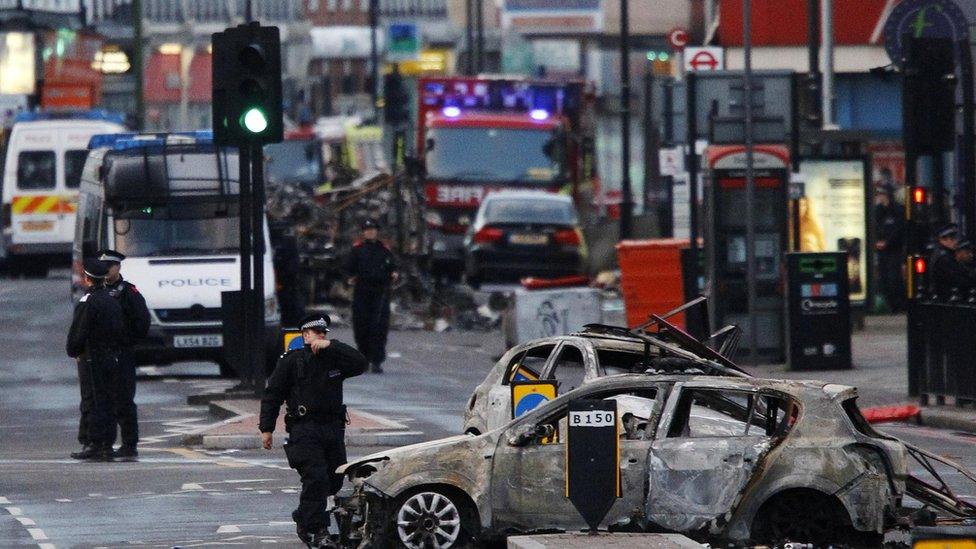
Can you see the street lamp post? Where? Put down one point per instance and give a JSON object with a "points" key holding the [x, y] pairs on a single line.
{"points": [[750, 184], [627, 199]]}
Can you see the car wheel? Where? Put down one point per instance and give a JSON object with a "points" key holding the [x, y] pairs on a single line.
{"points": [[431, 518], [803, 516]]}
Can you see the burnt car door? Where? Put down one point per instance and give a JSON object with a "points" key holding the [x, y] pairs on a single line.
{"points": [[574, 364], [528, 487], [708, 447]]}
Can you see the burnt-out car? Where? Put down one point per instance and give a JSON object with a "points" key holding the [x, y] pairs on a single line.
{"points": [[736, 459], [594, 352]]}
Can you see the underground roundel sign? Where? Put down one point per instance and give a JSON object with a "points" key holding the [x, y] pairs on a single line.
{"points": [[701, 59]]}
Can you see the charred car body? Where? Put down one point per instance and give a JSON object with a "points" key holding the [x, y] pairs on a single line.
{"points": [[705, 450]]}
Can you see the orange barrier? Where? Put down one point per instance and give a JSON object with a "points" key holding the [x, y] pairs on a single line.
{"points": [[651, 278]]}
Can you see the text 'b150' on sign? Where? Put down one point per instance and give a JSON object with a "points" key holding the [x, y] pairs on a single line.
{"points": [[592, 419]]}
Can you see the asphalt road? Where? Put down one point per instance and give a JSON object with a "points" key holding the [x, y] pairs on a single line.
{"points": [[179, 497]]}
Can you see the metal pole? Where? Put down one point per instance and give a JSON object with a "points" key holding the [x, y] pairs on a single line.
{"points": [[813, 59], [627, 199], [257, 228], [244, 209], [968, 164], [652, 167], [469, 37], [137, 70], [692, 163], [374, 60], [479, 20], [248, 10], [750, 183], [827, 42]]}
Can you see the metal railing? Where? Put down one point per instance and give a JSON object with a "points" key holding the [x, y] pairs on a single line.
{"points": [[200, 11], [942, 350]]}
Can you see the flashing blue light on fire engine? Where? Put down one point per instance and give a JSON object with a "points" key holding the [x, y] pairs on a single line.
{"points": [[539, 114], [451, 112]]}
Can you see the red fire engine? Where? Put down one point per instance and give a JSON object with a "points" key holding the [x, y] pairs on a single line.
{"points": [[479, 135]]}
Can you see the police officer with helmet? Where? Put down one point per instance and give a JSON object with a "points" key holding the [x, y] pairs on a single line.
{"points": [[372, 268], [943, 261], [136, 326], [96, 336], [309, 380]]}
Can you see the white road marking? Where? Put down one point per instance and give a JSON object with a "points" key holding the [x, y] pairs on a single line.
{"points": [[46, 546], [24, 521], [191, 486], [37, 534], [63, 500], [14, 511], [264, 491], [289, 491], [229, 529], [4, 500]]}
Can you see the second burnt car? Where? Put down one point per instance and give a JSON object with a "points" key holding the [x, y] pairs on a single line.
{"points": [[737, 459]]}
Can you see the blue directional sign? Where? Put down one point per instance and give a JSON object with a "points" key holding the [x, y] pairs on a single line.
{"points": [[923, 19]]}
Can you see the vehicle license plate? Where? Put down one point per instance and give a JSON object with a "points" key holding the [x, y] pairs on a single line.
{"points": [[37, 226], [529, 239], [203, 340]]}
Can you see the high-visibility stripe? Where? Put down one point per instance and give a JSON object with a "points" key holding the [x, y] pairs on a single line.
{"points": [[43, 204]]}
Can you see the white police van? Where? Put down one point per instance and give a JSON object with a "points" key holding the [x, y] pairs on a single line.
{"points": [[169, 202], [44, 158]]}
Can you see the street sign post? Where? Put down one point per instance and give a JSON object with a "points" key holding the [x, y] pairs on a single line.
{"points": [[678, 38], [403, 42], [592, 458], [702, 59]]}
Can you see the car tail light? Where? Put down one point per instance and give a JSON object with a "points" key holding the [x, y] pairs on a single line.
{"points": [[487, 235], [567, 237], [7, 221]]}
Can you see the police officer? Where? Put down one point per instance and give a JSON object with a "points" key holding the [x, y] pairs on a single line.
{"points": [[96, 336], [136, 327], [964, 271], [372, 268], [889, 219], [943, 261], [310, 380]]}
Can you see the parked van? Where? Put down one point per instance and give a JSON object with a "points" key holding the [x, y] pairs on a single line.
{"points": [[170, 203], [42, 171]]}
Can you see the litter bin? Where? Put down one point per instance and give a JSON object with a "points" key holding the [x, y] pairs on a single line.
{"points": [[818, 311]]}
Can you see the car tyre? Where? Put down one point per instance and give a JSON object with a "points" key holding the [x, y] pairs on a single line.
{"points": [[432, 517], [806, 516]]}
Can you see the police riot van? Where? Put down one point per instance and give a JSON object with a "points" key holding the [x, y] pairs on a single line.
{"points": [[42, 171], [170, 203]]}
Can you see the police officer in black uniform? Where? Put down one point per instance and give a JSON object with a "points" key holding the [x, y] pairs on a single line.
{"points": [[371, 267], [889, 219], [943, 261], [310, 380], [136, 326], [95, 339]]}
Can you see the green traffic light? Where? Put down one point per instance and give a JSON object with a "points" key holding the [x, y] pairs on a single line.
{"points": [[255, 120]]}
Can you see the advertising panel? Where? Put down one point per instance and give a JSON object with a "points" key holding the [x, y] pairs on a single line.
{"points": [[17, 75], [832, 216]]}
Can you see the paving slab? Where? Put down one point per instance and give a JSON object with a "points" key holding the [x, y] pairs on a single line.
{"points": [[602, 540], [238, 428]]}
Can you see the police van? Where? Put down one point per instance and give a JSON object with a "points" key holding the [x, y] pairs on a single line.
{"points": [[170, 203], [42, 171]]}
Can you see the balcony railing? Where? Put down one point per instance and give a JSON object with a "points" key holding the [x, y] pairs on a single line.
{"points": [[198, 11]]}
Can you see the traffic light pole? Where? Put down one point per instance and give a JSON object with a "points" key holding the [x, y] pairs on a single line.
{"points": [[627, 198], [244, 211], [257, 240], [967, 165]]}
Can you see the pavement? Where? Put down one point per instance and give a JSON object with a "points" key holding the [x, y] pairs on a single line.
{"points": [[602, 540]]}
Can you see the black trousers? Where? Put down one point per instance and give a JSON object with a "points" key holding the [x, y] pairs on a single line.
{"points": [[87, 398], [125, 399], [315, 450], [103, 372], [371, 320]]}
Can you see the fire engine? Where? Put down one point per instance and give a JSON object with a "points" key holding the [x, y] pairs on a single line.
{"points": [[478, 135]]}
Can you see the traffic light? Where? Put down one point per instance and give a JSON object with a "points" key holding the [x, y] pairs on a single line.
{"points": [[660, 62], [929, 95], [247, 103], [396, 109]]}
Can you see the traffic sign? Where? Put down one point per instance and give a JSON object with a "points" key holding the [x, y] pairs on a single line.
{"points": [[529, 395], [704, 59], [403, 43], [678, 38], [923, 19], [593, 458]]}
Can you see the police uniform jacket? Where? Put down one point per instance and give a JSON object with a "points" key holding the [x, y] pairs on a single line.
{"points": [[313, 381], [97, 325], [371, 262], [134, 309]]}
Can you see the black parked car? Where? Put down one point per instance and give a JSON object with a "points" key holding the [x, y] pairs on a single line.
{"points": [[524, 233]]}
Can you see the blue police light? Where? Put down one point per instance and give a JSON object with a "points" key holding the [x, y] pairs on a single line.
{"points": [[451, 112], [539, 114], [130, 140]]}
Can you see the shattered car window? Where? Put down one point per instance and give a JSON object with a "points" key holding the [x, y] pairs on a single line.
{"points": [[620, 362], [527, 366], [635, 408], [569, 369], [711, 413]]}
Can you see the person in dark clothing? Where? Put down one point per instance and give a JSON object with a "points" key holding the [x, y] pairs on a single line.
{"points": [[371, 268], [136, 316], [943, 261], [95, 338], [889, 220], [964, 271], [309, 380]]}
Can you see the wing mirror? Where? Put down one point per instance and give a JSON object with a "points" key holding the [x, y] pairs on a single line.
{"points": [[527, 433]]}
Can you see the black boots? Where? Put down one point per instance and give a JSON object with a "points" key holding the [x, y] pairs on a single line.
{"points": [[125, 452], [376, 368], [86, 452], [94, 452]]}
